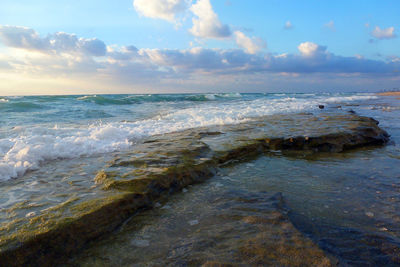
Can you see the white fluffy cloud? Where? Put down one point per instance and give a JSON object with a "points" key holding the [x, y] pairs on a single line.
{"points": [[251, 45], [207, 24], [65, 56], [60, 42], [22, 37], [387, 33], [309, 49], [161, 9]]}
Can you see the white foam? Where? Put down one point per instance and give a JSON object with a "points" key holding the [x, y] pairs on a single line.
{"points": [[86, 97], [210, 96], [28, 147], [349, 98]]}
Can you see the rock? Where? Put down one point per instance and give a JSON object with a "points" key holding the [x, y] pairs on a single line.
{"points": [[217, 264], [193, 222], [168, 163], [321, 106], [369, 214], [30, 214], [141, 243]]}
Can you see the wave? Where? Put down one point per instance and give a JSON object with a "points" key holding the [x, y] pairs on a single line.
{"points": [[32, 146], [349, 98], [26, 148], [8, 106], [137, 99], [104, 100]]}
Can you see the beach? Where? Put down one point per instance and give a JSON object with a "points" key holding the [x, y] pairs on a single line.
{"points": [[200, 179], [389, 93]]}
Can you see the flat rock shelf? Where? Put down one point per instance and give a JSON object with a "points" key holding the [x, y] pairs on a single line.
{"points": [[38, 231]]}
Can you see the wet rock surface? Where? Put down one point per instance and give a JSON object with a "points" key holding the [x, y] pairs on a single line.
{"points": [[234, 228], [161, 165], [361, 248]]}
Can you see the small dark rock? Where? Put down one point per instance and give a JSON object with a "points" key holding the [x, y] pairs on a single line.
{"points": [[321, 106]]}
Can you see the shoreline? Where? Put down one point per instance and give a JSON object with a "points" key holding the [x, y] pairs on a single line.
{"points": [[137, 182], [394, 93]]}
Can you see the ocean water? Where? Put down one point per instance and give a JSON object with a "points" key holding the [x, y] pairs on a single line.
{"points": [[36, 130], [51, 147]]}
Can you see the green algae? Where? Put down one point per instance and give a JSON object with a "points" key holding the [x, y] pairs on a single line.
{"points": [[165, 164]]}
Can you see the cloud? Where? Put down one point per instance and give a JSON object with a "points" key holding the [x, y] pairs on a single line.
{"points": [[381, 34], [207, 24], [60, 42], [312, 59], [330, 25], [251, 45], [321, 61], [93, 46], [161, 9], [66, 57], [288, 25], [394, 59], [124, 53], [309, 49], [4, 64], [21, 37]]}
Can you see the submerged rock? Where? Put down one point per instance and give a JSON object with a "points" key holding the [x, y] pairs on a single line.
{"points": [[165, 164], [236, 227]]}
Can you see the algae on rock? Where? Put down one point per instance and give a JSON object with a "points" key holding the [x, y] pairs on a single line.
{"points": [[165, 164]]}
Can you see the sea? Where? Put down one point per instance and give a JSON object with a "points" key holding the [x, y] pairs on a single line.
{"points": [[337, 201]]}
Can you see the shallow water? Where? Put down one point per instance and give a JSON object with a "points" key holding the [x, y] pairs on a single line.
{"points": [[352, 213], [213, 222], [347, 203], [35, 130]]}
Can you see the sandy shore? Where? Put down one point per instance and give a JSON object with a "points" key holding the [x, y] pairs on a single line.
{"points": [[389, 93]]}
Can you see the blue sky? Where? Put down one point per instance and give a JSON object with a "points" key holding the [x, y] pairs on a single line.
{"points": [[156, 46]]}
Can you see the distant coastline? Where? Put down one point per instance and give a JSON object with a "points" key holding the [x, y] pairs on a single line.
{"points": [[391, 93]]}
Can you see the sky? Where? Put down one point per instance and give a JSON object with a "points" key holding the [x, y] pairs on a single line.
{"points": [[187, 46]]}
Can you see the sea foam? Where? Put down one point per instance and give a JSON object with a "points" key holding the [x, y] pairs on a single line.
{"points": [[27, 147]]}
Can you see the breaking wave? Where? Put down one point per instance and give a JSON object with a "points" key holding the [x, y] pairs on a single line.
{"points": [[26, 147]]}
